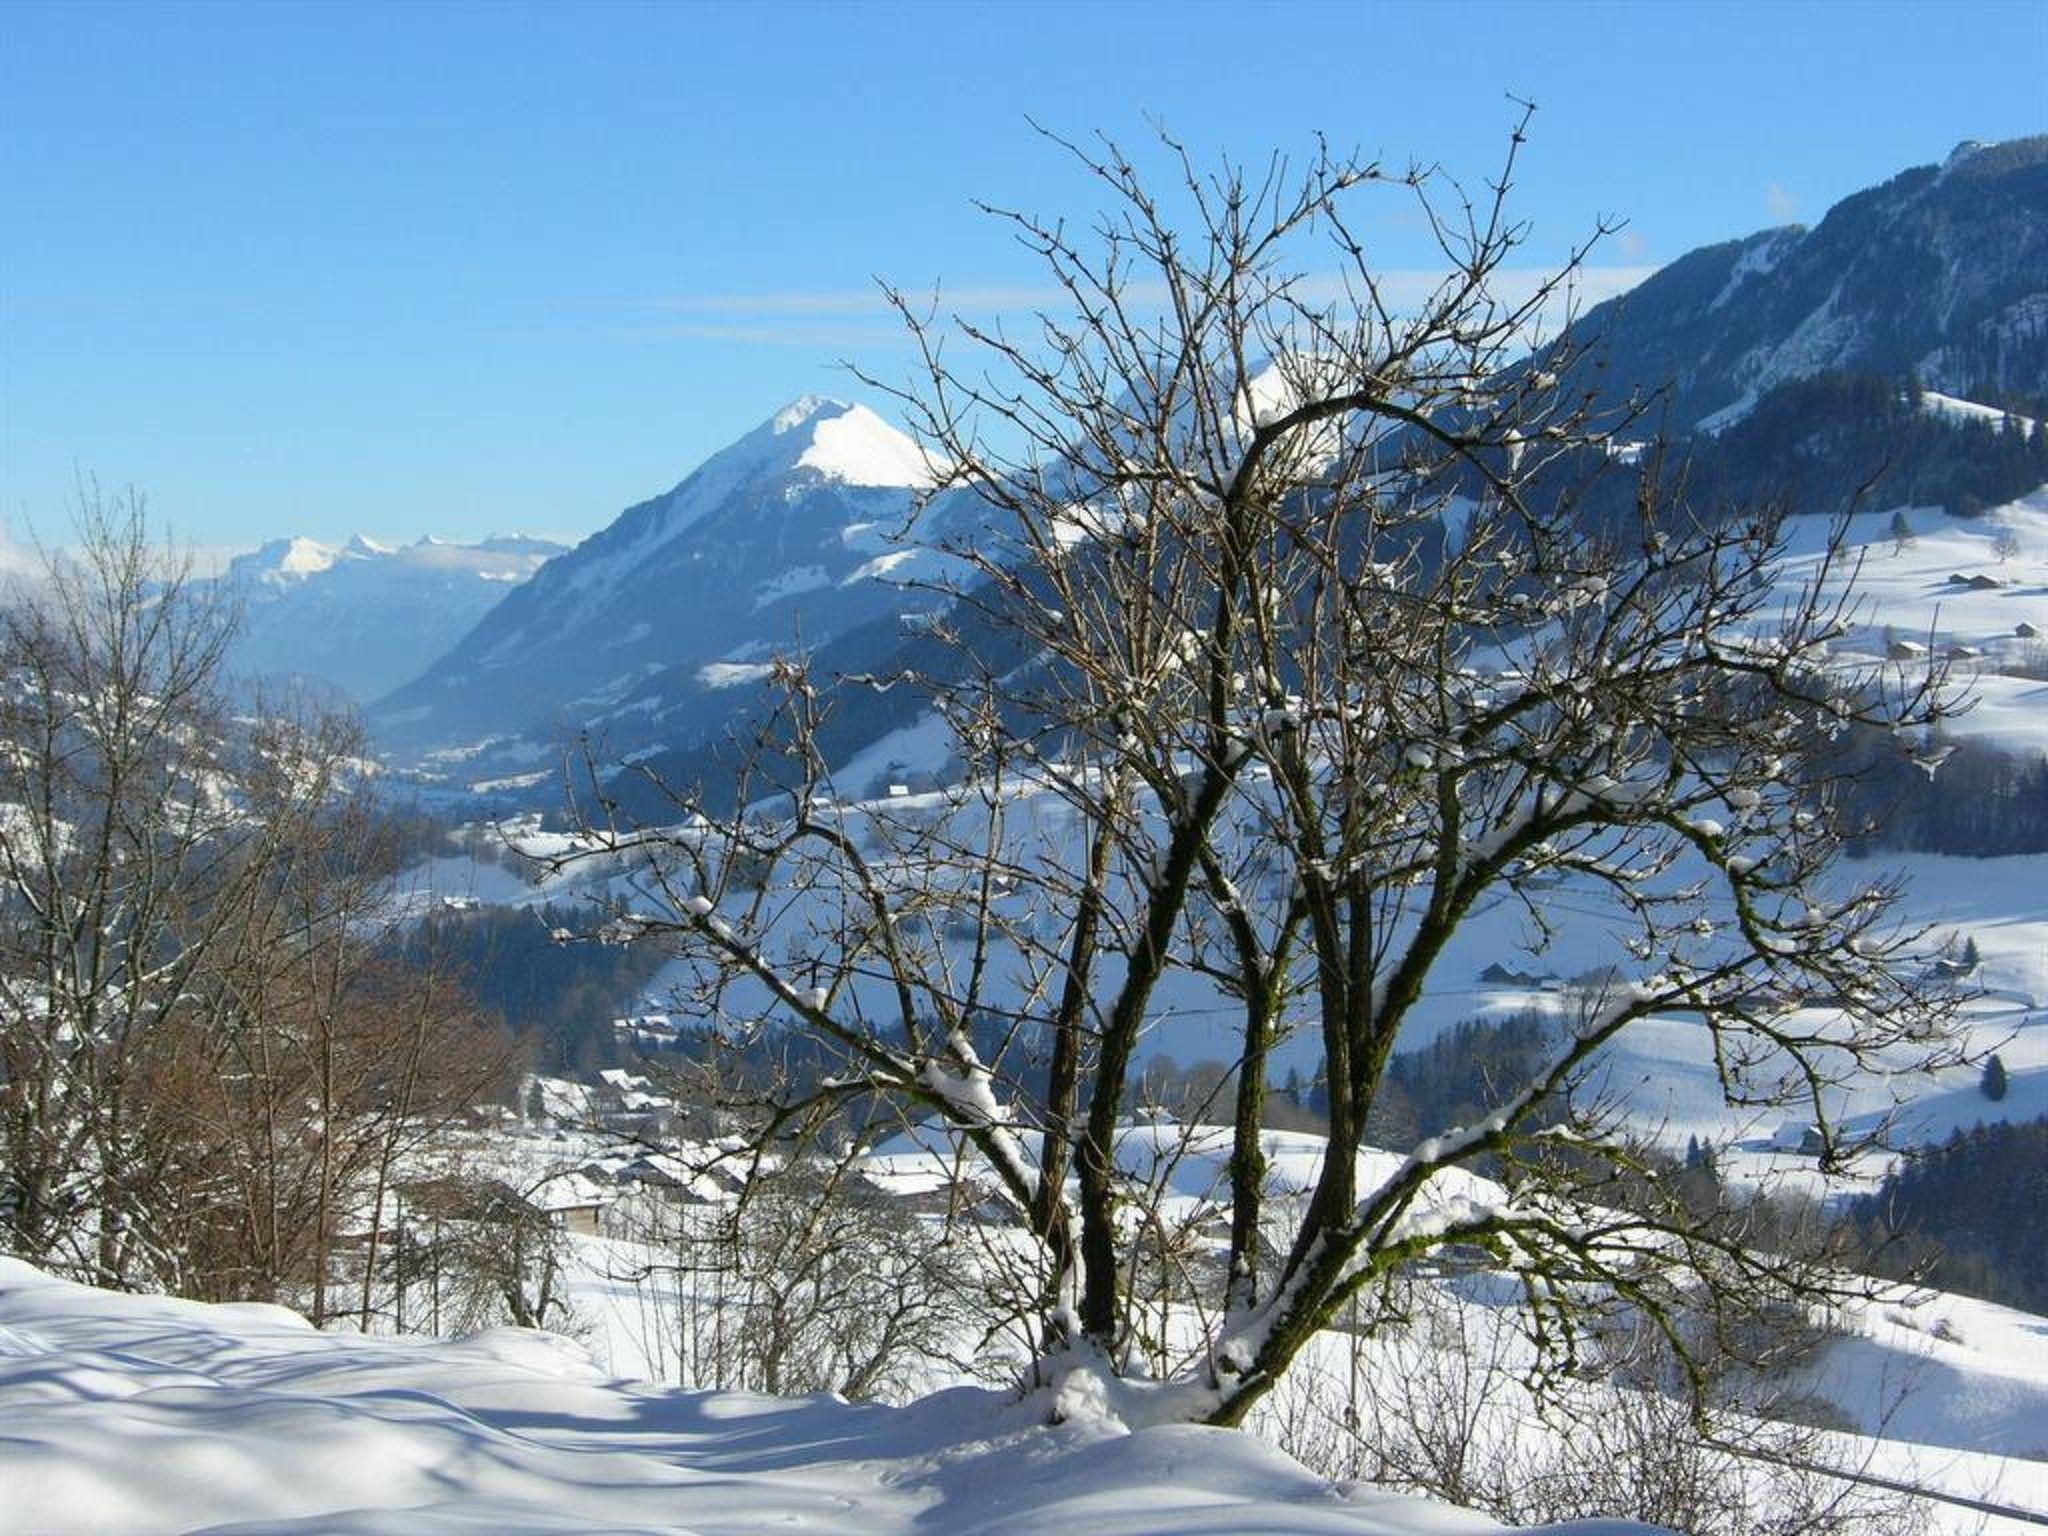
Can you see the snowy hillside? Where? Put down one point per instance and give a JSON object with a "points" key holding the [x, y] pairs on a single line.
{"points": [[1973, 591], [1940, 270], [651, 630], [140, 1416], [363, 616], [1964, 587]]}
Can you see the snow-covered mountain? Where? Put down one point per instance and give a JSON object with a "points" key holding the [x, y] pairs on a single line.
{"points": [[1802, 337], [363, 616], [659, 624], [659, 631], [1941, 271]]}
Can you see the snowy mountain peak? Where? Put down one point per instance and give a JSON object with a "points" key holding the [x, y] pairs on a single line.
{"points": [[284, 560], [365, 616], [801, 411], [840, 441], [793, 528], [857, 446]]}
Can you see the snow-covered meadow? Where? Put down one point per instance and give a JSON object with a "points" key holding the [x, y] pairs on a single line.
{"points": [[142, 1416], [134, 1416]]}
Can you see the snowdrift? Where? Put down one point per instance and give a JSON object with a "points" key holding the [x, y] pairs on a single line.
{"points": [[142, 1415]]}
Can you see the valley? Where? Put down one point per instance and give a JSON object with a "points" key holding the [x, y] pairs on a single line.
{"points": [[1249, 887]]}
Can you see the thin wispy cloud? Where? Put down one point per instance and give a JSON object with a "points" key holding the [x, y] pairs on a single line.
{"points": [[777, 333], [863, 318], [856, 301], [1781, 205]]}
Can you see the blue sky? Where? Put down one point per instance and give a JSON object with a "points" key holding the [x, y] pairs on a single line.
{"points": [[462, 268]]}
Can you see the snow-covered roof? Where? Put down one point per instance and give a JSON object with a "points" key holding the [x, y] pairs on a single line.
{"points": [[571, 1190]]}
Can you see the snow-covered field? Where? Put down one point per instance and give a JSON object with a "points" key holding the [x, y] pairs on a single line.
{"points": [[1975, 583], [143, 1415], [1926, 1390], [1938, 1394], [1915, 591], [137, 1416]]}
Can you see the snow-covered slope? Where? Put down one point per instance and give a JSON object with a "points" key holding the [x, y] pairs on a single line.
{"points": [[1973, 590], [1664, 1071], [1942, 270], [139, 1416], [784, 537], [1928, 1390], [363, 616]]}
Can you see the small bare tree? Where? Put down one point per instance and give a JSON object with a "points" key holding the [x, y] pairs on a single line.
{"points": [[830, 1285], [472, 1252], [1286, 642], [118, 850], [205, 1056], [1434, 1401], [771, 1260]]}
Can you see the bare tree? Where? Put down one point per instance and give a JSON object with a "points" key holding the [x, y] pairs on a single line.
{"points": [[1434, 1400], [827, 1284], [1286, 642], [118, 847], [203, 1052], [472, 1251], [772, 1260]]}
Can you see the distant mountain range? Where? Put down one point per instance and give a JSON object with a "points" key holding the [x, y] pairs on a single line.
{"points": [[652, 631], [656, 634], [363, 617]]}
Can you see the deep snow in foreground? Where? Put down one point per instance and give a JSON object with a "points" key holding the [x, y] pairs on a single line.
{"points": [[142, 1415]]}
